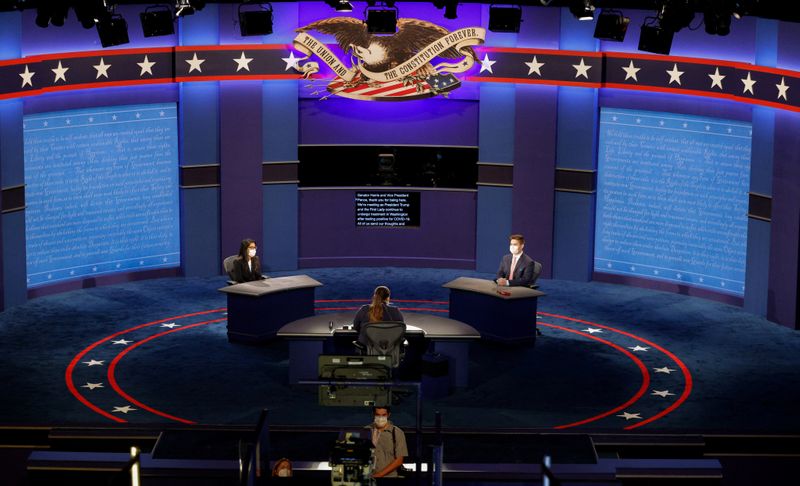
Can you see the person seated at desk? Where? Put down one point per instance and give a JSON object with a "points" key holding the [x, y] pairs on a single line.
{"points": [[517, 268], [247, 266], [378, 311]]}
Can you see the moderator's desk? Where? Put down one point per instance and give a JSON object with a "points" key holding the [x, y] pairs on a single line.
{"points": [[307, 338], [508, 318], [256, 310]]}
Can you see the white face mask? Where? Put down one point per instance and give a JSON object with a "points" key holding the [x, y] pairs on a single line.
{"points": [[381, 421], [251, 252], [284, 473], [514, 249]]}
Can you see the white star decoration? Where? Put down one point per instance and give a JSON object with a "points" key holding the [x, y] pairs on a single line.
{"points": [[782, 89], [92, 386], [486, 64], [60, 73], [638, 348], [748, 84], [102, 69], [94, 362], [592, 330], [675, 75], [125, 409], [664, 370], [534, 66], [291, 61], [170, 325], [662, 393], [147, 66], [243, 63], [124, 342], [27, 77], [716, 78], [630, 71], [582, 69], [194, 63], [630, 416]]}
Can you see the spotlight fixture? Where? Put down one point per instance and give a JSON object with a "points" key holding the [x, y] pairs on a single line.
{"points": [[157, 20], [451, 9], [381, 20], [717, 18], [113, 31], [582, 9], [611, 25], [255, 22], [188, 7], [505, 19], [654, 38], [51, 13], [89, 12], [343, 6]]}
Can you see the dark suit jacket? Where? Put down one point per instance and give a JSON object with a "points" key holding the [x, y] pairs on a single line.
{"points": [[361, 320], [241, 272], [523, 272]]}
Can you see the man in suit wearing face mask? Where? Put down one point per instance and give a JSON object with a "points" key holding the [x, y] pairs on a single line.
{"points": [[516, 269], [390, 444]]}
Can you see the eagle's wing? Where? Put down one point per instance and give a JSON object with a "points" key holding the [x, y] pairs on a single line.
{"points": [[414, 34], [347, 30]]}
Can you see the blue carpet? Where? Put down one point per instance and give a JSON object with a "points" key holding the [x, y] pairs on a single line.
{"points": [[743, 369]]}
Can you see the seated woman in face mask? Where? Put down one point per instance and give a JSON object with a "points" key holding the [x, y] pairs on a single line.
{"points": [[247, 266], [378, 311]]}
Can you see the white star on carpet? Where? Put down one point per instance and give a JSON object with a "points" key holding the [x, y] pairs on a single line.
{"points": [[124, 342], [662, 393], [194, 63], [631, 416], [92, 386], [486, 64], [638, 348], [664, 370], [534, 66], [716, 78], [582, 69], [147, 66], [675, 75], [748, 84], [630, 72], [94, 362], [243, 63], [291, 61], [782, 89], [125, 409], [102, 69], [170, 325], [27, 77], [60, 72], [592, 330]]}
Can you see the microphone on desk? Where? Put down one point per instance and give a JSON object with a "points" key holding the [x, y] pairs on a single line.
{"points": [[330, 325]]}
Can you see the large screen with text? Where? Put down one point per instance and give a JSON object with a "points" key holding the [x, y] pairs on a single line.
{"points": [[672, 194], [101, 191]]}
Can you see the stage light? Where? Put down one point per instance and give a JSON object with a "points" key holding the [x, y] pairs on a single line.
{"points": [[157, 20], [717, 18], [255, 22], [582, 9], [505, 19], [188, 7], [344, 6], [451, 9], [113, 31], [381, 20], [674, 15], [611, 25], [89, 12], [655, 39]]}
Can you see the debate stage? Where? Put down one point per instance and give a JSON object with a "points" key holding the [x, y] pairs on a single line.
{"points": [[611, 358]]}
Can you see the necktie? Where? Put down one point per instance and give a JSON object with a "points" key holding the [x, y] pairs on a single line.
{"points": [[513, 266]]}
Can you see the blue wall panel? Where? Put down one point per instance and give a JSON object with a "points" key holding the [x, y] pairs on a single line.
{"points": [[279, 250], [200, 245], [494, 226]]}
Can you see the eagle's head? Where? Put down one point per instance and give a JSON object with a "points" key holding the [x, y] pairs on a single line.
{"points": [[374, 56]]}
